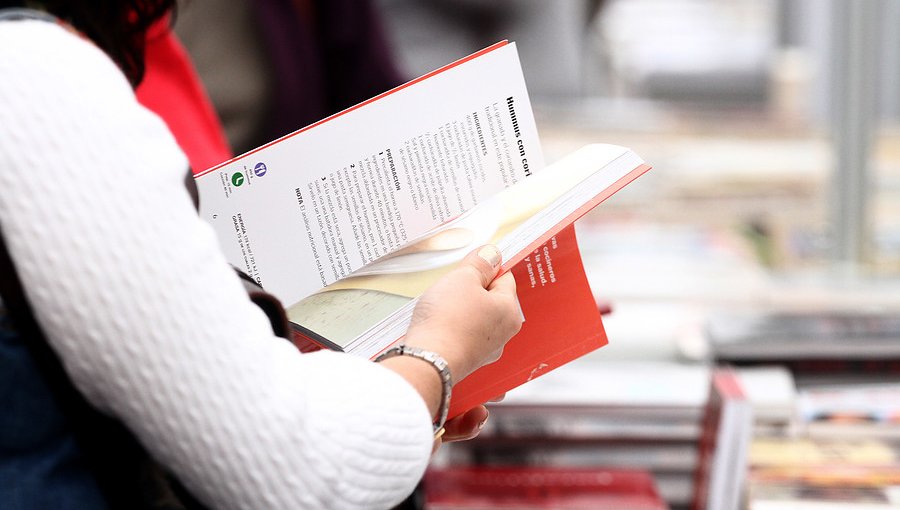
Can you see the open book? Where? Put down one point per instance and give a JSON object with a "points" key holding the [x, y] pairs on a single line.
{"points": [[349, 220]]}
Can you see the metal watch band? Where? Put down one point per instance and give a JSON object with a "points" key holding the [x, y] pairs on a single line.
{"points": [[439, 364]]}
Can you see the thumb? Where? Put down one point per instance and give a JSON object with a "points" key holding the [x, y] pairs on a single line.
{"points": [[485, 262]]}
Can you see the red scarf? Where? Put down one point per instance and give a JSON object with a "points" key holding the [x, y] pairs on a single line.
{"points": [[172, 89]]}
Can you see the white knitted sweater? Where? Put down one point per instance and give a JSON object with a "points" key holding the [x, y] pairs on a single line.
{"points": [[102, 232]]}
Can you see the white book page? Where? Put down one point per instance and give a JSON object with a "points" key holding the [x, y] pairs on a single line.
{"points": [[316, 205]]}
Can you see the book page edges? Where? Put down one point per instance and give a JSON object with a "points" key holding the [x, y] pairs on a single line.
{"points": [[542, 238], [578, 213]]}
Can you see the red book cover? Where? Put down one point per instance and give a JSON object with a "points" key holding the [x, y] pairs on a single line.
{"points": [[562, 323], [469, 488]]}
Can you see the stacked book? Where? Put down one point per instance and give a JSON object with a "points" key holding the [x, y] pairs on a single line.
{"points": [[667, 420], [819, 474], [840, 448], [819, 347]]}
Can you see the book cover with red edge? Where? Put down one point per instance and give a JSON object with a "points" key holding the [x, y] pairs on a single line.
{"points": [[723, 444], [471, 487], [562, 323], [578, 213]]}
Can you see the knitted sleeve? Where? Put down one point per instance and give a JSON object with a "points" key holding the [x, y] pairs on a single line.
{"points": [[150, 322]]}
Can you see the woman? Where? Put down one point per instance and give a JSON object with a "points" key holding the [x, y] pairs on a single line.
{"points": [[108, 264]]}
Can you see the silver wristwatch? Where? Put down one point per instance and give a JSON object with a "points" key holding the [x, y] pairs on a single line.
{"points": [[439, 364]]}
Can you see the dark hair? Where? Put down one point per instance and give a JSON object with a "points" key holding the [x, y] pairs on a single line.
{"points": [[118, 27]]}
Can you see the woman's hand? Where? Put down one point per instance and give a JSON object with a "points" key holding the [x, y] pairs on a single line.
{"points": [[468, 316], [465, 426]]}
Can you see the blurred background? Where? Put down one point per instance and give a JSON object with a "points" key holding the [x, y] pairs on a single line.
{"points": [[766, 238]]}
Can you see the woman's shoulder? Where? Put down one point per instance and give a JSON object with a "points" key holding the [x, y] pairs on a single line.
{"points": [[45, 55]]}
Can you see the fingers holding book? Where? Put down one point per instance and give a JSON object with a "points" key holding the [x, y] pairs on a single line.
{"points": [[469, 314]]}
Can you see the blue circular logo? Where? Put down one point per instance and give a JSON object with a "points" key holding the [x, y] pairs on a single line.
{"points": [[260, 169]]}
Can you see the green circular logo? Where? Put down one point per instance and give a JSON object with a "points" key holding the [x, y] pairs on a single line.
{"points": [[237, 179]]}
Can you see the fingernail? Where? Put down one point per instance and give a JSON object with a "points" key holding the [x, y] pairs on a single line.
{"points": [[519, 306], [483, 422], [490, 254]]}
